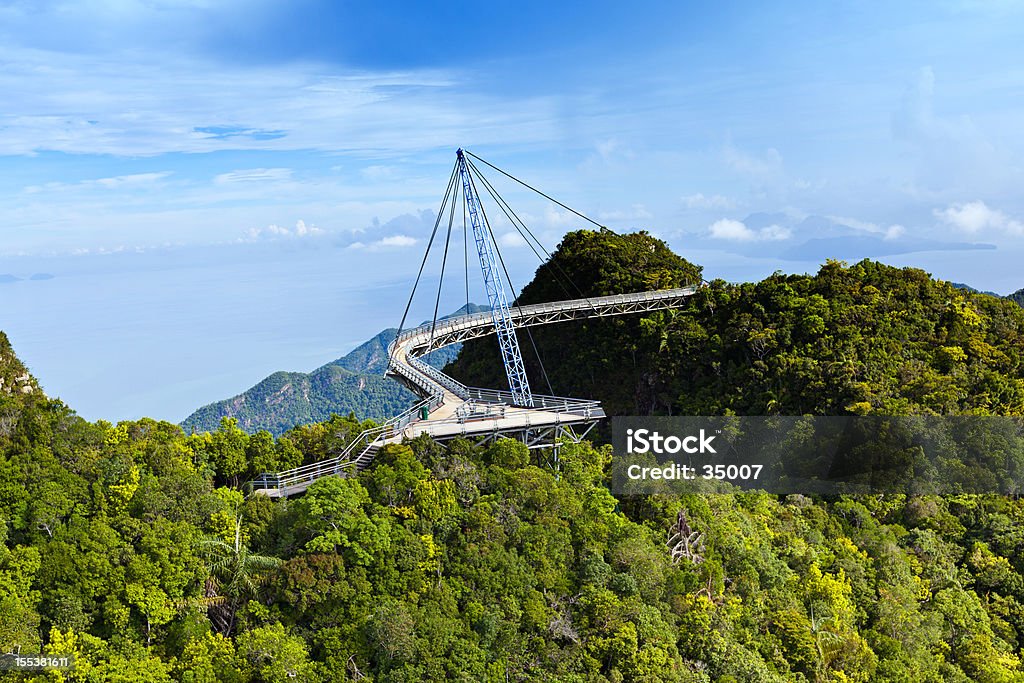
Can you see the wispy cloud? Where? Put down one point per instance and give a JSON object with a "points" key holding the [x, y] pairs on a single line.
{"points": [[559, 219], [950, 151], [701, 201], [131, 181], [767, 164], [378, 172], [894, 232], [391, 242], [225, 132], [637, 212], [158, 103], [891, 232], [254, 175]]}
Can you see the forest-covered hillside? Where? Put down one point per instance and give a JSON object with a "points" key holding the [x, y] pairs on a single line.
{"points": [[133, 546], [851, 339]]}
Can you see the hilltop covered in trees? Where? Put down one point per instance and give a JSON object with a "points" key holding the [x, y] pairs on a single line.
{"points": [[848, 340], [133, 547]]}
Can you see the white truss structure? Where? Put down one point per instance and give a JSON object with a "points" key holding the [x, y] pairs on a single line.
{"points": [[511, 356], [454, 410]]}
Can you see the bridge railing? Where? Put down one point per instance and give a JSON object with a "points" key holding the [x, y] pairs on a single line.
{"points": [[434, 383], [443, 380], [512, 419], [360, 450], [540, 401], [418, 377], [286, 478], [460, 322], [475, 319]]}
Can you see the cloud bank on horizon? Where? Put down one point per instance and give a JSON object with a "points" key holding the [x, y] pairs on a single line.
{"points": [[132, 124]]}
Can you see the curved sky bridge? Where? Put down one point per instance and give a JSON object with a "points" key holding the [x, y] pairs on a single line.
{"points": [[449, 409]]}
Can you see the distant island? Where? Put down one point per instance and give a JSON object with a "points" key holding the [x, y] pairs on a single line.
{"points": [[7, 277]]}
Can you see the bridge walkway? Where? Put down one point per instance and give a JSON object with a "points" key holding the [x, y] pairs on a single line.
{"points": [[449, 409]]}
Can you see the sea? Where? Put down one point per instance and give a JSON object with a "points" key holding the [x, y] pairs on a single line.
{"points": [[161, 332]]}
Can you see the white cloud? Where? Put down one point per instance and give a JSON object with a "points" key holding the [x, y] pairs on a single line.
{"points": [[774, 233], [254, 175], [611, 149], [975, 217], [397, 241], [276, 231], [131, 181], [96, 101], [134, 180], [637, 212], [415, 223], [378, 172], [768, 164], [951, 151], [392, 242], [728, 229], [512, 240], [700, 201], [737, 231], [894, 232], [559, 219]]}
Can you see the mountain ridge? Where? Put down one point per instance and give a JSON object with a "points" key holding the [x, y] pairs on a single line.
{"points": [[354, 383]]}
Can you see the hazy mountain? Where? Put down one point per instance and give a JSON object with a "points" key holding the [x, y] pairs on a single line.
{"points": [[353, 383], [1017, 296], [968, 288]]}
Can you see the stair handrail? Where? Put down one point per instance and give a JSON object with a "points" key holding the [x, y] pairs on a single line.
{"points": [[284, 478]]}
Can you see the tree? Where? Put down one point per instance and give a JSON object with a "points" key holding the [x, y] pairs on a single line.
{"points": [[237, 571], [268, 654], [332, 514], [226, 448], [209, 659]]}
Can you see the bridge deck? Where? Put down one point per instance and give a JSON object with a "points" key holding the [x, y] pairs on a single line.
{"points": [[457, 410]]}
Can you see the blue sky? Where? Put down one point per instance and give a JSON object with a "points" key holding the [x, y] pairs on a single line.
{"points": [[752, 137]]}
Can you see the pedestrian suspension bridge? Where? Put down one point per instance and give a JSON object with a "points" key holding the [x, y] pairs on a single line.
{"points": [[449, 409]]}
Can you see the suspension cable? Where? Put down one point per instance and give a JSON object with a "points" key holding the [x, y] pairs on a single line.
{"points": [[444, 262], [520, 226], [465, 248], [437, 223], [530, 187], [514, 219], [508, 278]]}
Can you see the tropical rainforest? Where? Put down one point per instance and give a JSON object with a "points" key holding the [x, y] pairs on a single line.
{"points": [[135, 548]]}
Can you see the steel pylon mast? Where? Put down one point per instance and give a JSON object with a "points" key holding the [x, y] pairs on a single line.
{"points": [[511, 356]]}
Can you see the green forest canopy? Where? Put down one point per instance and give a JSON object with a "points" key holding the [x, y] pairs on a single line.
{"points": [[132, 547]]}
